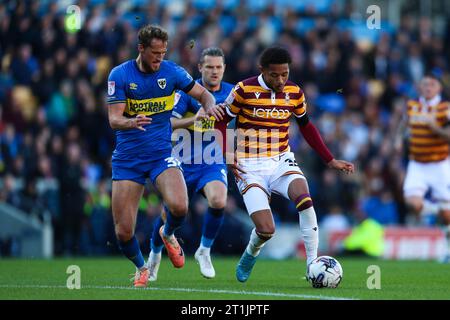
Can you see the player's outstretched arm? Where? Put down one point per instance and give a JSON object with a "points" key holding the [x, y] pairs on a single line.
{"points": [[118, 122], [312, 136], [207, 101], [187, 122]]}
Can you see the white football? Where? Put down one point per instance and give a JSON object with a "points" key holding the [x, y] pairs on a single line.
{"points": [[324, 272]]}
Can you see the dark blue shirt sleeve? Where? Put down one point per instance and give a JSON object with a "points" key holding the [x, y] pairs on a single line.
{"points": [[183, 79], [116, 87], [181, 104]]}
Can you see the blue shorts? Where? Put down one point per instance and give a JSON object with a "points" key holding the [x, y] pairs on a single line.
{"points": [[140, 168], [198, 175]]}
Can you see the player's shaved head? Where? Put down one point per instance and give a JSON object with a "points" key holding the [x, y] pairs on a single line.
{"points": [[149, 32]]}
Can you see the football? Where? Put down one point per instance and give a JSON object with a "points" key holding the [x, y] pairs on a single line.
{"points": [[324, 272]]}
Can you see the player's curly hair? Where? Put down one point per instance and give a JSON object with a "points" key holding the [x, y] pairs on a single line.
{"points": [[151, 31], [274, 55]]}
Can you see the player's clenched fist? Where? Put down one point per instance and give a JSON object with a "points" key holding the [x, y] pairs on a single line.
{"points": [[141, 121]]}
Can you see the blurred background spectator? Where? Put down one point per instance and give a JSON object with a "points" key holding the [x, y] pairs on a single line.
{"points": [[56, 142]]}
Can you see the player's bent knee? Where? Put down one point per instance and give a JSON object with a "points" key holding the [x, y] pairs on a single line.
{"points": [[217, 201], [266, 234], [178, 209], [414, 205], [124, 233]]}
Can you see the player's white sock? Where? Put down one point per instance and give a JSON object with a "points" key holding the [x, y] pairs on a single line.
{"points": [[255, 244], [430, 208], [310, 232], [204, 250]]}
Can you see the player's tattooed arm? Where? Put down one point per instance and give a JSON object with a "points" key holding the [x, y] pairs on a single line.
{"points": [[117, 121]]}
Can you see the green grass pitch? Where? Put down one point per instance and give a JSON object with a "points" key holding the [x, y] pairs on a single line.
{"points": [[108, 278]]}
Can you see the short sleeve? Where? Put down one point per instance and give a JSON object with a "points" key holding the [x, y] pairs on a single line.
{"points": [[181, 104], [183, 79], [235, 100], [300, 105], [116, 87]]}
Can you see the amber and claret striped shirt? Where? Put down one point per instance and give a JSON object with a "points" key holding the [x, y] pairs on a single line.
{"points": [[424, 145], [263, 116]]}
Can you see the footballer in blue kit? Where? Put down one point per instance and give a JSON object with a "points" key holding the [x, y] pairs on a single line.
{"points": [[203, 162], [141, 96], [202, 159], [140, 154]]}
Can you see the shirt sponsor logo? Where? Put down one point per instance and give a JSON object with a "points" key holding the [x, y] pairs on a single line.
{"points": [[273, 113], [204, 125], [150, 106]]}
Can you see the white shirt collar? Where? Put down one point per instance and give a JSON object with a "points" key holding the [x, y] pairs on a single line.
{"points": [[432, 102], [262, 83]]}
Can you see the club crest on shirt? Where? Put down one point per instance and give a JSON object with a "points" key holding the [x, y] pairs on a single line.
{"points": [[287, 99], [162, 83]]}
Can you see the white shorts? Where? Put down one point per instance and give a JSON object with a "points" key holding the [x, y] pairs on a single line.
{"points": [[264, 176], [423, 176]]}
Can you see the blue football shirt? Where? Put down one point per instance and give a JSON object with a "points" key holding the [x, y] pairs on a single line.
{"points": [[201, 146], [150, 94]]}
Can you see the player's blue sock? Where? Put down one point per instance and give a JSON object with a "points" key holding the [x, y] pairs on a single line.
{"points": [[211, 224], [132, 251], [156, 241], [172, 223]]}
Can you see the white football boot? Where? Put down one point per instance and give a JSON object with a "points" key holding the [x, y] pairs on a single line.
{"points": [[204, 260], [153, 265]]}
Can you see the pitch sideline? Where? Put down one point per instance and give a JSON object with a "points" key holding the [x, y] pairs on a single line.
{"points": [[262, 293]]}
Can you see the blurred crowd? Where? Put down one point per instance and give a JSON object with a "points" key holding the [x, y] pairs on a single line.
{"points": [[56, 142]]}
